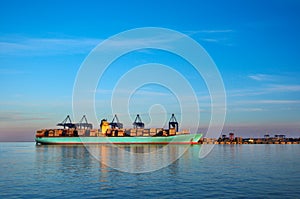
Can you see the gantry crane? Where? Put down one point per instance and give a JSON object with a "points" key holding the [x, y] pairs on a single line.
{"points": [[138, 124], [173, 123], [115, 123], [83, 123]]}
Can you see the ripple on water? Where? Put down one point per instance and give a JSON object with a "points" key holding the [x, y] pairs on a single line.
{"points": [[250, 171]]}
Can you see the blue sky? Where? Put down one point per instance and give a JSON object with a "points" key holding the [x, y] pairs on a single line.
{"points": [[255, 45]]}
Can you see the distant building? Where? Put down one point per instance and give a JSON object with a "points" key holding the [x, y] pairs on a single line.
{"points": [[267, 136], [280, 137], [239, 139], [231, 136]]}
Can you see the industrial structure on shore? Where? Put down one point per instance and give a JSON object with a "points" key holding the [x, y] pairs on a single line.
{"points": [[267, 139]]}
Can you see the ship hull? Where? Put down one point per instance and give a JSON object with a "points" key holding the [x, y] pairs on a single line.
{"points": [[177, 139]]}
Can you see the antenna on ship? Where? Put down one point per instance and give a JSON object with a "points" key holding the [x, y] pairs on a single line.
{"points": [[138, 122], [67, 123], [173, 122], [115, 123]]}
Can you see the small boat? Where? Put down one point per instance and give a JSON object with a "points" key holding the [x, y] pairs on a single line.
{"points": [[114, 133]]}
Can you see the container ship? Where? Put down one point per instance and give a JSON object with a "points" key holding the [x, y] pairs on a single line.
{"points": [[114, 133]]}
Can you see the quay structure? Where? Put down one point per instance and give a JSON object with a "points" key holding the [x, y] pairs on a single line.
{"points": [[267, 139]]}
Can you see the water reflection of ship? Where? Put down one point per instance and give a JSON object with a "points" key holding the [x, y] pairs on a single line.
{"points": [[136, 158]]}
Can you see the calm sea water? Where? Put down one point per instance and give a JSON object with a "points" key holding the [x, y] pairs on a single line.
{"points": [[229, 171]]}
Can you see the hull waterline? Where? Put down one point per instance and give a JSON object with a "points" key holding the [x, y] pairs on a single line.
{"points": [[177, 139]]}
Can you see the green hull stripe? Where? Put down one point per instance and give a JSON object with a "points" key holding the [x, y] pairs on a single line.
{"points": [[178, 139]]}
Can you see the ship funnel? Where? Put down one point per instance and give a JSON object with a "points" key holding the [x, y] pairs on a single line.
{"points": [[104, 126]]}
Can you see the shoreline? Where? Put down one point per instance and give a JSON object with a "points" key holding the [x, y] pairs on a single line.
{"points": [[249, 141]]}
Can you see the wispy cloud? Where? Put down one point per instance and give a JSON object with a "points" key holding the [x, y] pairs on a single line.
{"points": [[263, 77], [284, 88], [269, 102], [45, 46], [210, 40], [270, 84], [19, 116], [140, 93], [191, 32], [279, 101], [246, 92], [241, 109], [223, 36], [144, 41], [23, 46], [17, 45]]}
